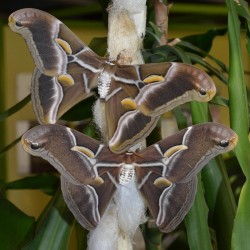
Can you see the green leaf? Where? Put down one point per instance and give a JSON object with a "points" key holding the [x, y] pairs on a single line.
{"points": [[47, 183], [239, 113], [211, 69], [15, 225], [243, 10], [81, 236], [220, 201], [190, 48], [153, 36], [217, 189], [180, 118], [204, 41], [164, 53], [196, 223], [219, 100], [53, 227], [152, 237], [15, 108]]}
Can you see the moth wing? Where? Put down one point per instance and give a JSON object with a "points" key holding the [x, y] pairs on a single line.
{"points": [[82, 201], [132, 128], [164, 86], [79, 158], [185, 153], [166, 170], [88, 203], [66, 69], [169, 205], [52, 44], [175, 203], [51, 97], [149, 90]]}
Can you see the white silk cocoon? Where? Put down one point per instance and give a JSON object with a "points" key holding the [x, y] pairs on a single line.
{"points": [[127, 22], [120, 221], [132, 6], [126, 211]]}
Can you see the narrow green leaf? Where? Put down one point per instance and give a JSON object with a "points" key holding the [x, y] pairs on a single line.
{"points": [[15, 225], [211, 69], [15, 108], [198, 52], [219, 100], [180, 118], [9, 146], [220, 201], [239, 121], [47, 183], [81, 236], [53, 227], [152, 237], [196, 223], [217, 189], [182, 54], [243, 10]]}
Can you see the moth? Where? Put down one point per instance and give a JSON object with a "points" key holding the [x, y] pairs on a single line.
{"points": [[165, 172], [134, 96]]}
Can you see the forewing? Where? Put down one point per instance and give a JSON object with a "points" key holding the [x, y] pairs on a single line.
{"points": [[52, 44], [75, 155], [164, 86], [199, 144]]}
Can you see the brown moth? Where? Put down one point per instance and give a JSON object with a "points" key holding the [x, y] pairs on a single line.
{"points": [[134, 95], [165, 172]]}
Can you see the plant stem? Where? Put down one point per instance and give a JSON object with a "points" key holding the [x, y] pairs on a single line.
{"points": [[161, 18]]}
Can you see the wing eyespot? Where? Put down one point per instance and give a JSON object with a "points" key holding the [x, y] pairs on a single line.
{"points": [[18, 24], [34, 146], [224, 143], [203, 91]]}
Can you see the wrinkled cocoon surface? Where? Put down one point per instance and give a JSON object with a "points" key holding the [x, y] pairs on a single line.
{"points": [[120, 221], [127, 21]]}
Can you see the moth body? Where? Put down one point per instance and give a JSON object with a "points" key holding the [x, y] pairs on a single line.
{"points": [[127, 174], [105, 79]]}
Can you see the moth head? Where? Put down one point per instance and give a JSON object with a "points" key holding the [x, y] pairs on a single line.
{"points": [[34, 140], [203, 84], [223, 138], [19, 20], [25, 18], [205, 90]]}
